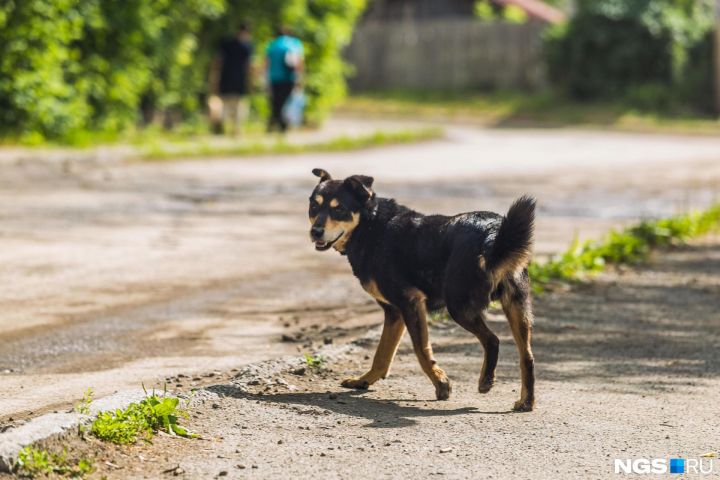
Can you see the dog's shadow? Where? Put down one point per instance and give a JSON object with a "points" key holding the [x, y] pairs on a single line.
{"points": [[389, 413]]}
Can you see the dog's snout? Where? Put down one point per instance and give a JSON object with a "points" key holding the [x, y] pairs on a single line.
{"points": [[317, 232]]}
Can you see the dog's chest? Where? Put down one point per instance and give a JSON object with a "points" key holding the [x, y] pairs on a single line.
{"points": [[371, 287]]}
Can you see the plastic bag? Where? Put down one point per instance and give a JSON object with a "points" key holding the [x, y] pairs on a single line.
{"points": [[294, 108]]}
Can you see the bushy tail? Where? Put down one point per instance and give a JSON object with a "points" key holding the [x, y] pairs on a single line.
{"points": [[513, 243]]}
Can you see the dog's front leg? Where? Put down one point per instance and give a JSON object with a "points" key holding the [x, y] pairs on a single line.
{"points": [[393, 330], [415, 315]]}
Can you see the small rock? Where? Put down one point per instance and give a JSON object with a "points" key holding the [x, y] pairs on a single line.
{"points": [[222, 473], [327, 340], [254, 466], [215, 406], [333, 396], [280, 381], [254, 381], [241, 466], [446, 450], [299, 371], [280, 442], [178, 471]]}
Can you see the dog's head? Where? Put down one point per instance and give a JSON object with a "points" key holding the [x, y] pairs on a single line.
{"points": [[337, 207]]}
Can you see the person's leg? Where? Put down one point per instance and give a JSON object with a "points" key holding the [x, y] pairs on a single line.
{"points": [[230, 107], [285, 91], [241, 113], [275, 106]]}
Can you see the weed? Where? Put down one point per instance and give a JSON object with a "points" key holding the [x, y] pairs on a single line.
{"points": [[314, 361], [628, 246], [84, 406], [32, 461], [338, 144], [142, 420]]}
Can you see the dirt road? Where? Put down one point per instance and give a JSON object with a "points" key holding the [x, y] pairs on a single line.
{"points": [[626, 368], [117, 273]]}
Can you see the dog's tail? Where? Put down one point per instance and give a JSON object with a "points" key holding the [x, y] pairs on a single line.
{"points": [[514, 239]]}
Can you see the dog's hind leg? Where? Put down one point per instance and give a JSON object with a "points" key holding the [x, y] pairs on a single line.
{"points": [[517, 306], [415, 315], [393, 330], [473, 320]]}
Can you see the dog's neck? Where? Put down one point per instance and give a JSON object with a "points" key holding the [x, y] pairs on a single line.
{"points": [[371, 229]]}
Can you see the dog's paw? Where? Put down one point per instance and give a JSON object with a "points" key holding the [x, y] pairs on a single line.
{"points": [[355, 383], [443, 390], [485, 385], [523, 406]]}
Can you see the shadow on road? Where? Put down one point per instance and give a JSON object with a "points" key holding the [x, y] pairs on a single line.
{"points": [[653, 330], [383, 413]]}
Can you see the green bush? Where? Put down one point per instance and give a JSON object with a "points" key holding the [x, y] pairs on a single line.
{"points": [[69, 66], [650, 52]]}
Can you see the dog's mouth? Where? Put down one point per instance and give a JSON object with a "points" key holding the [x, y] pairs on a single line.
{"points": [[322, 245]]}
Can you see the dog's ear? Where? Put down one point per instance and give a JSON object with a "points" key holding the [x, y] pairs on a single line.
{"points": [[361, 186], [324, 176]]}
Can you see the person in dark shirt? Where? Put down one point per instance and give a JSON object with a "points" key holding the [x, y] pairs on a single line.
{"points": [[233, 82]]}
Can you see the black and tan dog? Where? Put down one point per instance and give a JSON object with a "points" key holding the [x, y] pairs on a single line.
{"points": [[412, 263]]}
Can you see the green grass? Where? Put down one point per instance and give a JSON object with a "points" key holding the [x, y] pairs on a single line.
{"points": [[256, 148], [84, 406], [519, 109], [141, 420], [32, 462], [622, 247], [315, 362]]}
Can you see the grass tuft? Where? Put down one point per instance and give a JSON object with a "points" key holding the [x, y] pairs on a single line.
{"points": [[32, 462], [338, 144], [315, 362], [141, 420], [622, 247], [84, 406]]}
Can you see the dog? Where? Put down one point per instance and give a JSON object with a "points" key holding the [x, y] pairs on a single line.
{"points": [[412, 263]]}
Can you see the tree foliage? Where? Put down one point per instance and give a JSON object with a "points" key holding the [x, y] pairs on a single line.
{"points": [[648, 49], [68, 66]]}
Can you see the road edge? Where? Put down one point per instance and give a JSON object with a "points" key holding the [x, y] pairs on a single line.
{"points": [[58, 423]]}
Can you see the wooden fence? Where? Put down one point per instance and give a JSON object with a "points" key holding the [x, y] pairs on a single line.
{"points": [[446, 54]]}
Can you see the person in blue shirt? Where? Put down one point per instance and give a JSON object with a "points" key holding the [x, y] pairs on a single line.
{"points": [[284, 63]]}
